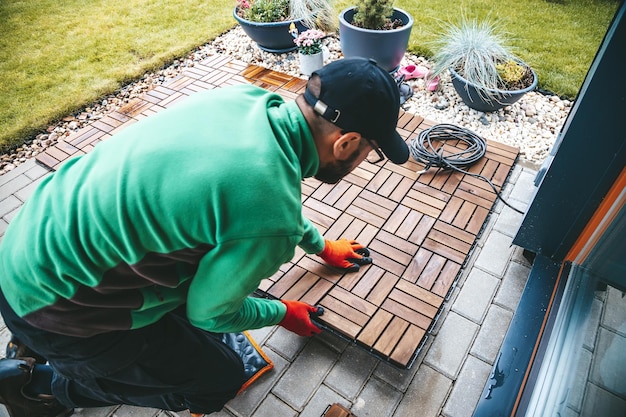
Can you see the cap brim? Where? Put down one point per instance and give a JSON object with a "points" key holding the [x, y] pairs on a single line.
{"points": [[396, 149]]}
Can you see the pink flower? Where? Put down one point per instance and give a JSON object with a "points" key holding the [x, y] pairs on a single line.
{"points": [[309, 42]]}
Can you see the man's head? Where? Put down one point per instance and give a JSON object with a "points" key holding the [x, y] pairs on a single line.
{"points": [[362, 101]]}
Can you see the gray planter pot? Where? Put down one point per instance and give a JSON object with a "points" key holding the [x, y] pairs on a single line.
{"points": [[387, 47], [271, 37], [498, 98]]}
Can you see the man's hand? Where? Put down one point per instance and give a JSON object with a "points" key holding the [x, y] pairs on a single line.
{"points": [[298, 318], [345, 254]]}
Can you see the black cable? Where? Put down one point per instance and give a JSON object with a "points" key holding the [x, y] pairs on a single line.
{"points": [[423, 150]]}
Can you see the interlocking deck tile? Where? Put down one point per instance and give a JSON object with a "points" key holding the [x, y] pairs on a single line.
{"points": [[420, 226]]}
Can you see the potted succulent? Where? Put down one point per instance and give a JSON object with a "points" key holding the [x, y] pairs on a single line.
{"points": [[267, 22], [484, 71], [309, 44], [375, 29]]}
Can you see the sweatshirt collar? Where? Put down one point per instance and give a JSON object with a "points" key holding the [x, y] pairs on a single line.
{"points": [[291, 125]]}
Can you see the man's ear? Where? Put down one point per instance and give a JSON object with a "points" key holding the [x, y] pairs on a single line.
{"points": [[346, 143]]}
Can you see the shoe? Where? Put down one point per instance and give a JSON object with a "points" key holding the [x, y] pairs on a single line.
{"points": [[16, 349], [406, 91], [15, 374], [413, 71], [432, 84]]}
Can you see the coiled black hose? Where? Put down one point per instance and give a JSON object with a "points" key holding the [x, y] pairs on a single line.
{"points": [[423, 150]]}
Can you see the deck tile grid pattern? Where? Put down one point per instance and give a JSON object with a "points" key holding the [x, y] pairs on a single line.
{"points": [[420, 228]]}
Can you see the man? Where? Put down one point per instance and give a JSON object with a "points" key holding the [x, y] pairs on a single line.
{"points": [[124, 267]]}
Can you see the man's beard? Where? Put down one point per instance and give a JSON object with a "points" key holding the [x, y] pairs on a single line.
{"points": [[331, 173]]}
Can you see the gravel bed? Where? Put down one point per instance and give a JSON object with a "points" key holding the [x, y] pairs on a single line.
{"points": [[531, 124]]}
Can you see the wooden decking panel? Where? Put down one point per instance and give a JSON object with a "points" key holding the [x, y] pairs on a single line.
{"points": [[419, 227]]}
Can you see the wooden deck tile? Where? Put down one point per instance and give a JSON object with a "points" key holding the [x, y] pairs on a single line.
{"points": [[419, 227]]}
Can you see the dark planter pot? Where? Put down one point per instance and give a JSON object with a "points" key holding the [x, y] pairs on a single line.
{"points": [[500, 98], [271, 37], [387, 47]]}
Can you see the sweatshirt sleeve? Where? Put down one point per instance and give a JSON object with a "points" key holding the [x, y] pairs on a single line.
{"points": [[218, 298], [312, 240]]}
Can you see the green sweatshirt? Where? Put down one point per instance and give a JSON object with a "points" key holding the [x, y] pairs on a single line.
{"points": [[194, 205]]}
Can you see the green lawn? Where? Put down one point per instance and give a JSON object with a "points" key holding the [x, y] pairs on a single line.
{"points": [[57, 57]]}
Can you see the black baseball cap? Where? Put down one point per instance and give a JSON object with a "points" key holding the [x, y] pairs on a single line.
{"points": [[359, 96]]}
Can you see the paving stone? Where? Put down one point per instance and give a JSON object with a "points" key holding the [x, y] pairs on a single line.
{"points": [[274, 407], [425, 395], [5, 336], [132, 411], [491, 334], [37, 171], [615, 311], [451, 345], [184, 413], [260, 336], [8, 205], [609, 367], [16, 184], [222, 413], [513, 177], [11, 215], [512, 286], [322, 398], [25, 192], [467, 388], [351, 372], [286, 343], [17, 171], [475, 295], [524, 187], [568, 412], [305, 374], [579, 381], [495, 254], [333, 341], [593, 323], [3, 226], [120, 411], [518, 256], [599, 402], [246, 402], [509, 220], [396, 377], [378, 399]]}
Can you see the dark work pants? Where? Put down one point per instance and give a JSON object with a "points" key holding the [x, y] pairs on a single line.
{"points": [[169, 365]]}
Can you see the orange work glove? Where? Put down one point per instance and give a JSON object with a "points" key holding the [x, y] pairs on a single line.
{"points": [[345, 254], [298, 318]]}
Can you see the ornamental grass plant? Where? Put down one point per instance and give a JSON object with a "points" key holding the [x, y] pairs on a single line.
{"points": [[480, 52], [315, 14]]}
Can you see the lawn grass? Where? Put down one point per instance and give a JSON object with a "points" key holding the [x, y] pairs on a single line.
{"points": [[57, 57]]}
